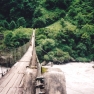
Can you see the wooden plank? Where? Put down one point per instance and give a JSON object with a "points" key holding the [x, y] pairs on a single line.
{"points": [[12, 91], [10, 84], [6, 81], [6, 76], [22, 68], [20, 91], [30, 90], [13, 70], [22, 71], [21, 85], [5, 90], [14, 78], [18, 81], [1, 89]]}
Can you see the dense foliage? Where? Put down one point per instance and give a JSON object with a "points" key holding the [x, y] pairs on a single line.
{"points": [[66, 27], [74, 41], [16, 38], [65, 45], [15, 9]]}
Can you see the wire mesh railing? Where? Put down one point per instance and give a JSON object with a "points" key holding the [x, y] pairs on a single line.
{"points": [[9, 57]]}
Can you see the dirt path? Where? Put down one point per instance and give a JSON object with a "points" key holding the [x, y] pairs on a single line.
{"points": [[79, 77]]}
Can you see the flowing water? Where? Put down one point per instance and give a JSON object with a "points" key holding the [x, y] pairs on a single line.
{"points": [[3, 71], [79, 77]]}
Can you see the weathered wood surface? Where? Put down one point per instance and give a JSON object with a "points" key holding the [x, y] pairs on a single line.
{"points": [[15, 80], [54, 81], [29, 80]]}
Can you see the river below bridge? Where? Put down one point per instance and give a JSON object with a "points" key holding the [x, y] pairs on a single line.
{"points": [[3, 71], [79, 77]]}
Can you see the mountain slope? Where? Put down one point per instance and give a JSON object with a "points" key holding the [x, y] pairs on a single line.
{"points": [[65, 28]]}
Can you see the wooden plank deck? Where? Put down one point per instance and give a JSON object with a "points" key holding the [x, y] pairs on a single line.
{"points": [[12, 81]]}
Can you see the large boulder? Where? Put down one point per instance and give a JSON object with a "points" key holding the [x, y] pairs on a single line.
{"points": [[55, 82]]}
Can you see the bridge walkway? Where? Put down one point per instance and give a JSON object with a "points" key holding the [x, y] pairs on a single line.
{"points": [[12, 82]]}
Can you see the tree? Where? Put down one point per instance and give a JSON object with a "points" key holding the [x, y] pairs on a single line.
{"points": [[5, 24], [72, 12], [8, 39], [37, 12], [48, 45], [12, 25], [81, 50], [80, 20], [39, 22], [88, 28], [63, 4], [21, 22]]}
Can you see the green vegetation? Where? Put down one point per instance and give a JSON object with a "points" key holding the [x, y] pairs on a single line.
{"points": [[72, 33], [16, 38], [67, 44], [65, 28]]}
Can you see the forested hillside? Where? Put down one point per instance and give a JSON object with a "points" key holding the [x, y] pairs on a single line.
{"points": [[64, 28]]}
